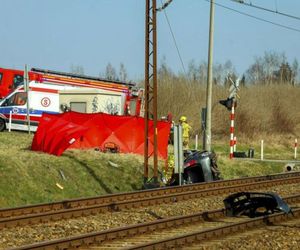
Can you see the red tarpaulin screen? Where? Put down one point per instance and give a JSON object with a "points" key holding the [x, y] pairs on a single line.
{"points": [[58, 132]]}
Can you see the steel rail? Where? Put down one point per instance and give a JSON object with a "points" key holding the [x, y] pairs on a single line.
{"points": [[142, 228], [113, 198], [118, 206], [216, 233]]}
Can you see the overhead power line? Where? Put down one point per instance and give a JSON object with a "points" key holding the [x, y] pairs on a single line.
{"points": [[172, 33], [165, 5], [174, 39], [265, 9], [255, 17]]}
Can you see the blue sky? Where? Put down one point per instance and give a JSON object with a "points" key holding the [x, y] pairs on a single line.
{"points": [[54, 34]]}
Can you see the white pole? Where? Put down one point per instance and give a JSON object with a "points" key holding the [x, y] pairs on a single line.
{"points": [[231, 131], [262, 150], [9, 122], [196, 142], [296, 145], [180, 154], [234, 145], [26, 83]]}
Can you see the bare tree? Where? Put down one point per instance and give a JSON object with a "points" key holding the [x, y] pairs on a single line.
{"points": [[272, 62], [163, 69], [122, 73], [77, 69], [110, 72], [264, 69], [203, 72], [218, 73], [255, 73], [221, 71], [193, 72], [295, 69], [284, 74]]}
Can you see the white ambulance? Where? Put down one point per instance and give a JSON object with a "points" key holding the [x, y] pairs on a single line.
{"points": [[53, 99]]}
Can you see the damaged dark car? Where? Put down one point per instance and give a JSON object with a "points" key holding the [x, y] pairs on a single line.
{"points": [[199, 166], [253, 204]]}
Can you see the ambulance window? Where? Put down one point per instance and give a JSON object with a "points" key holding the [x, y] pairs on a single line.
{"points": [[0, 78], [78, 106], [18, 80], [18, 99]]}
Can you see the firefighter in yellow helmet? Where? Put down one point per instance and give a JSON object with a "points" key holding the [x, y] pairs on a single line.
{"points": [[186, 128]]}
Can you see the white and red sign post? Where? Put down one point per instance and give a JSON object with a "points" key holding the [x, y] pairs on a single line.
{"points": [[231, 132]]}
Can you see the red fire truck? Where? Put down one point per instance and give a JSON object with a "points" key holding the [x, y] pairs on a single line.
{"points": [[11, 79]]}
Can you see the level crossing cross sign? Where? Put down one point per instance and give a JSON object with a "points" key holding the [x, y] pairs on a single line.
{"points": [[234, 88]]}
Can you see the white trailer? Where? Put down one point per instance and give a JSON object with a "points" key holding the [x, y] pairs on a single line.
{"points": [[88, 100]]}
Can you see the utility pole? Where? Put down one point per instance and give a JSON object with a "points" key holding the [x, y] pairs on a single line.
{"points": [[26, 83], [207, 145], [150, 89]]}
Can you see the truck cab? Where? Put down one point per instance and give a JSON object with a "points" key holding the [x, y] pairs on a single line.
{"points": [[9, 80]]}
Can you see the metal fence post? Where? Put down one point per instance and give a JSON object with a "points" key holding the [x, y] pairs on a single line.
{"points": [[262, 150], [9, 122], [296, 146], [178, 151]]}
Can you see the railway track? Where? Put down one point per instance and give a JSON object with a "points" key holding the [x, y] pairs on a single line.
{"points": [[111, 200], [190, 239], [158, 197], [174, 232]]}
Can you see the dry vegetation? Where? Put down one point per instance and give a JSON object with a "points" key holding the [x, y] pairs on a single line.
{"points": [[271, 111]]}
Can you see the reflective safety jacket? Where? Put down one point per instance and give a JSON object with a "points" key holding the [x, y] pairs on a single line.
{"points": [[186, 129]]}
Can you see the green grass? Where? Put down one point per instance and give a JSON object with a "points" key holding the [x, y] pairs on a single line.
{"points": [[235, 168], [28, 177]]}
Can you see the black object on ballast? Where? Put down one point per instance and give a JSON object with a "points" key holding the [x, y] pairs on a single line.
{"points": [[254, 204]]}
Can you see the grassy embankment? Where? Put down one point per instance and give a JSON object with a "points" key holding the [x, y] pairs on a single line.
{"points": [[28, 177]]}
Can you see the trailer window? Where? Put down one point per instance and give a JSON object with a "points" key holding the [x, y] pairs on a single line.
{"points": [[18, 99], [18, 80], [78, 107]]}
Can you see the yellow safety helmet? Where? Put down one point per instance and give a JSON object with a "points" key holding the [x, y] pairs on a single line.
{"points": [[182, 119]]}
